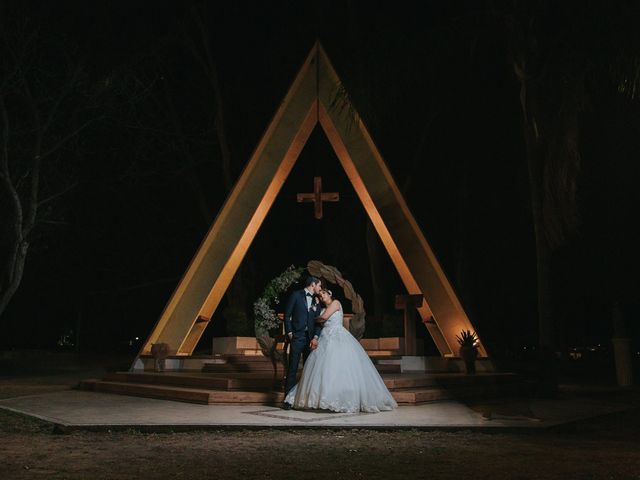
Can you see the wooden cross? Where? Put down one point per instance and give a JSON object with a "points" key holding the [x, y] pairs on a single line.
{"points": [[408, 303], [318, 196]]}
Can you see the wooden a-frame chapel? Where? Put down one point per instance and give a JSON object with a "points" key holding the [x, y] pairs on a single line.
{"points": [[311, 99]]}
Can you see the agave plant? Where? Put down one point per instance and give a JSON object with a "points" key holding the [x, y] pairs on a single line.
{"points": [[468, 349], [467, 339]]}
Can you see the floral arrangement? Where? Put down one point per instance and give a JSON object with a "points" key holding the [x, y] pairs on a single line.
{"points": [[265, 315]]}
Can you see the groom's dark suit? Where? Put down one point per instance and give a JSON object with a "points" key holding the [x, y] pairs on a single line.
{"points": [[300, 321]]}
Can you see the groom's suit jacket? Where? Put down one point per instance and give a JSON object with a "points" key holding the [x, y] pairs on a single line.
{"points": [[298, 318]]}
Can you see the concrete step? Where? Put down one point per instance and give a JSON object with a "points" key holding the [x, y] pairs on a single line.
{"points": [[450, 380], [210, 397], [253, 389], [386, 361], [240, 367], [417, 396], [418, 381], [182, 394], [484, 378], [196, 380], [245, 359], [387, 368], [244, 381]]}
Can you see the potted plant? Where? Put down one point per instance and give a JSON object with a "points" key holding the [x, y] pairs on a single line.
{"points": [[468, 349], [160, 352]]}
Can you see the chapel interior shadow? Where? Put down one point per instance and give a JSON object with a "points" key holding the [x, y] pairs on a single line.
{"points": [[290, 235]]}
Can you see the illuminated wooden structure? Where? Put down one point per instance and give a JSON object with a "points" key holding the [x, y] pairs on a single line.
{"points": [[311, 99]]}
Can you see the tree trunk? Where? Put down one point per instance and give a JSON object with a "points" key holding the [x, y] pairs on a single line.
{"points": [[79, 322], [201, 198], [236, 293], [18, 255], [16, 270], [535, 155], [460, 269], [30, 145]]}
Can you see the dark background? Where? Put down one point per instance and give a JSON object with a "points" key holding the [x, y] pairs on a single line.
{"points": [[435, 86]]}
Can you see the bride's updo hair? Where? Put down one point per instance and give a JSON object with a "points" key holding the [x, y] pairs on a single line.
{"points": [[328, 292]]}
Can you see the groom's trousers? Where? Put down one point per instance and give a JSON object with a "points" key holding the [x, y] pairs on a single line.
{"points": [[298, 347]]}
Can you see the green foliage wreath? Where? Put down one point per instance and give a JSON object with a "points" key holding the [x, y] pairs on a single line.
{"points": [[266, 318], [263, 308]]}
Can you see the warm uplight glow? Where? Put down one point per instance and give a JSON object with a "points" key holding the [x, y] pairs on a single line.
{"points": [[220, 254], [231, 267]]}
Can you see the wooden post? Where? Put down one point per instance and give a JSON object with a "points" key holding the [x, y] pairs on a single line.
{"points": [[409, 303]]}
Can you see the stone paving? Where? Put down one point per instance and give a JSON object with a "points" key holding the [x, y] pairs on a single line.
{"points": [[75, 409]]}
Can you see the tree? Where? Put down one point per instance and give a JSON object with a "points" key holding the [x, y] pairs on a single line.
{"points": [[45, 103], [552, 96], [560, 54], [173, 131]]}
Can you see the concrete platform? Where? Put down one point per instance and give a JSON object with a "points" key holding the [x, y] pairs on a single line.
{"points": [[75, 409], [255, 388]]}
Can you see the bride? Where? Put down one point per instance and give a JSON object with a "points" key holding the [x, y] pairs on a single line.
{"points": [[338, 375]]}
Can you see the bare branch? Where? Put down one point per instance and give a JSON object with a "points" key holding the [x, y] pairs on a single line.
{"points": [[4, 160], [18, 60], [54, 222], [4, 171], [68, 137], [32, 206], [408, 182], [58, 194], [139, 286], [211, 72], [70, 85], [15, 261]]}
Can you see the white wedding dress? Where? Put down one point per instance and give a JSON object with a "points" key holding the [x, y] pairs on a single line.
{"points": [[339, 375]]}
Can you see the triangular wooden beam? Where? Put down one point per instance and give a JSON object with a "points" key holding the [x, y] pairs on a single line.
{"points": [[310, 99]]}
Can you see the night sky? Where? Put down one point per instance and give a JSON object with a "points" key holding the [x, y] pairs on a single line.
{"points": [[433, 82]]}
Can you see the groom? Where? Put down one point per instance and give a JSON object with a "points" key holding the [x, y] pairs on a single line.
{"points": [[300, 325]]}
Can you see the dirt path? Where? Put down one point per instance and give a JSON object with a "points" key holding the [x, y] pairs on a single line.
{"points": [[607, 448], [604, 448]]}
